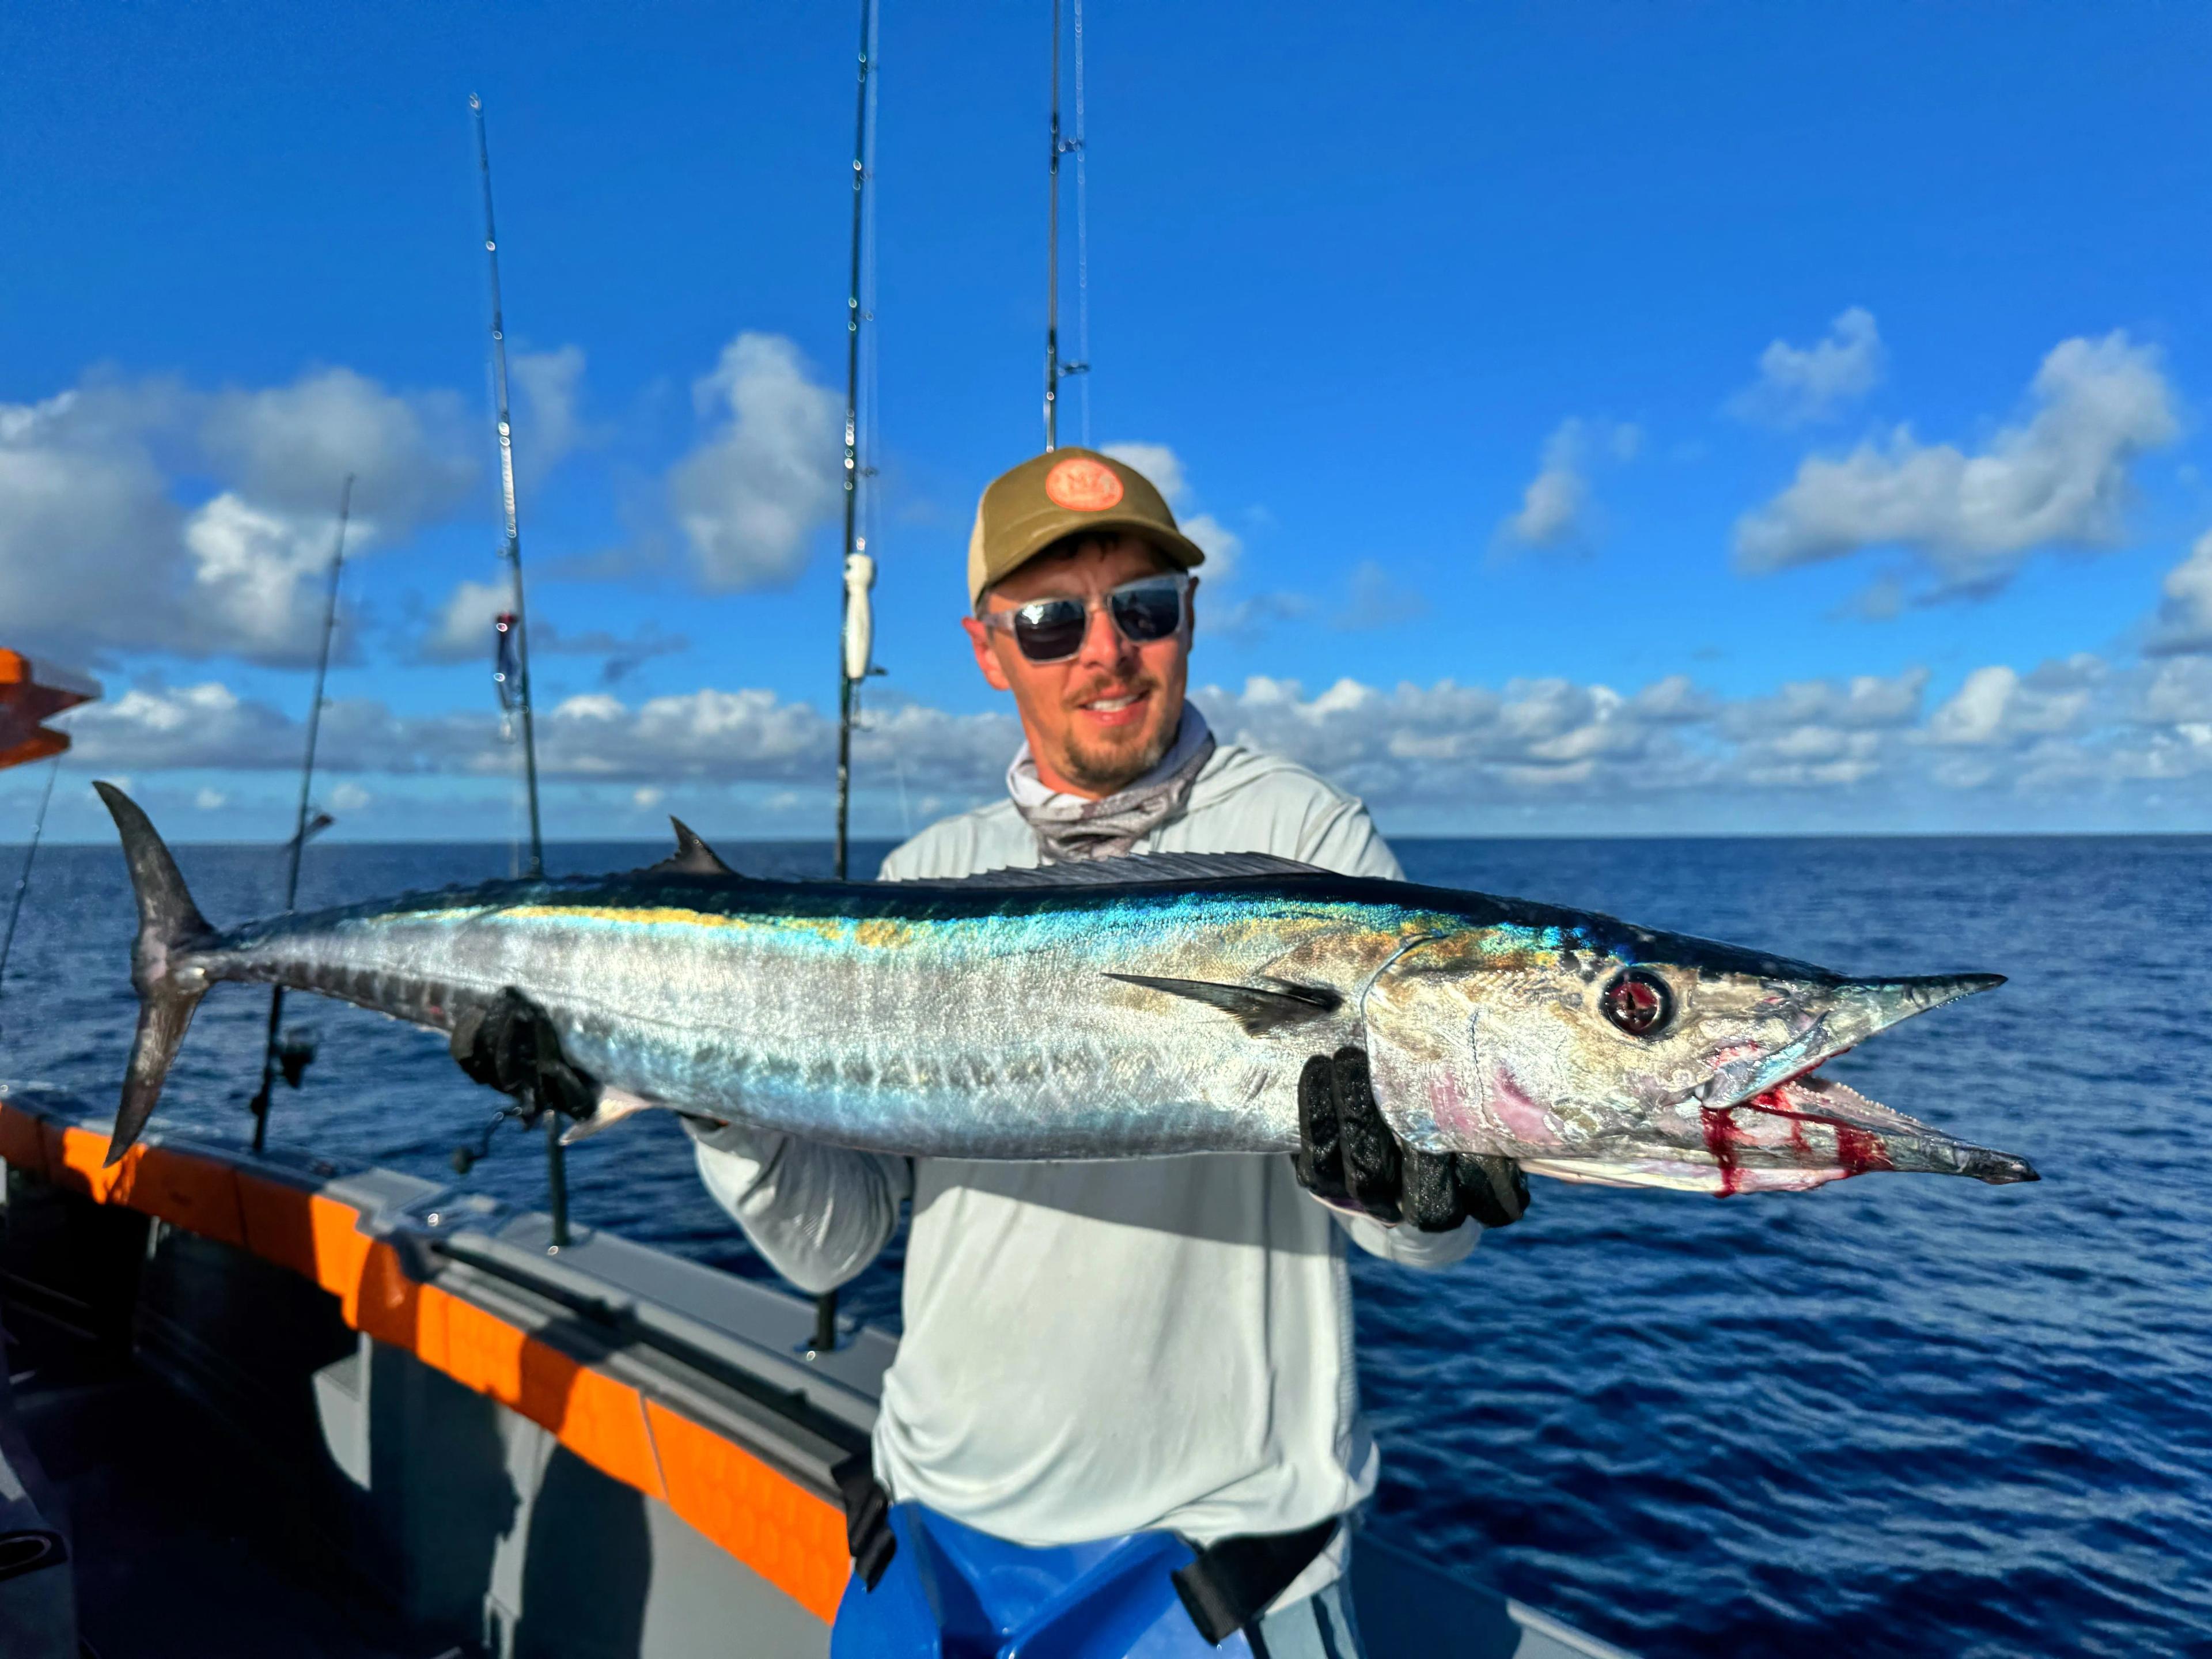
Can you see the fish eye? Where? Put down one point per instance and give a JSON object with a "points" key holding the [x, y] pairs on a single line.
{"points": [[1638, 1002]]}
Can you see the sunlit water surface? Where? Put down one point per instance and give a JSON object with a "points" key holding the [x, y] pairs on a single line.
{"points": [[1901, 1415]]}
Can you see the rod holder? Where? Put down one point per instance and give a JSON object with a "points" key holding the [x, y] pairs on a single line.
{"points": [[557, 1177]]}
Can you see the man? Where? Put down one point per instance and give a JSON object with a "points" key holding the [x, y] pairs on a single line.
{"points": [[1096, 1349], [1159, 1347]]}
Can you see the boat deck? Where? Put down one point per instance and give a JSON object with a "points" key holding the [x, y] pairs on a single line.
{"points": [[176, 1552]]}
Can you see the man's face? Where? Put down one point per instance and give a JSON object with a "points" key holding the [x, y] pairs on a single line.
{"points": [[1102, 718]]}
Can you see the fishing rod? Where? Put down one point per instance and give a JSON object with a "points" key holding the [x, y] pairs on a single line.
{"points": [[512, 552], [1055, 370], [293, 1059], [23, 879], [856, 622], [855, 627], [515, 632]]}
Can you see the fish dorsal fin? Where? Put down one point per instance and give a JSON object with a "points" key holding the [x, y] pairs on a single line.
{"points": [[1259, 1009], [692, 856], [1143, 869]]}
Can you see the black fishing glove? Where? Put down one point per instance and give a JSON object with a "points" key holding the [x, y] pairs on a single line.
{"points": [[1349, 1156], [512, 1047]]}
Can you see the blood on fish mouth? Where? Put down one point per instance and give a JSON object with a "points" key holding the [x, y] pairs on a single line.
{"points": [[1859, 1148]]}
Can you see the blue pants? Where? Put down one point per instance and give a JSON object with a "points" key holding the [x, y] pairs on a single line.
{"points": [[953, 1593]]}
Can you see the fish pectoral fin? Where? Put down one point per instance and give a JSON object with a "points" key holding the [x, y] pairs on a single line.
{"points": [[615, 1105], [1259, 1009], [692, 856]]}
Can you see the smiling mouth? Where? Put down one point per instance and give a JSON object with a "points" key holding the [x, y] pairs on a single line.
{"points": [[1122, 708]]}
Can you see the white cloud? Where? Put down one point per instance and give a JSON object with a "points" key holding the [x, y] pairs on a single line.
{"points": [[707, 735], [1552, 506], [85, 519], [211, 800], [2063, 733], [2178, 692], [290, 448], [98, 554], [2059, 479], [1223, 547], [548, 424], [2184, 623], [1541, 738], [1158, 463], [756, 488], [1822, 734], [1798, 384], [461, 631], [1556, 508], [349, 797], [1998, 707], [1862, 702], [258, 576], [195, 727]]}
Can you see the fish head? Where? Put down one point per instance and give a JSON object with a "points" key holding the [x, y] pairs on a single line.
{"points": [[1587, 1039]]}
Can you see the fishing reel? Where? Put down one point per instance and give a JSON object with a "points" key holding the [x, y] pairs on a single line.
{"points": [[295, 1051], [507, 673]]}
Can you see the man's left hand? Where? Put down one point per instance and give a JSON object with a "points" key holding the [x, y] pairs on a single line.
{"points": [[1349, 1158], [512, 1045]]}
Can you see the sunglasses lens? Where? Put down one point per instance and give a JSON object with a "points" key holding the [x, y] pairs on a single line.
{"points": [[1050, 629], [1144, 611]]}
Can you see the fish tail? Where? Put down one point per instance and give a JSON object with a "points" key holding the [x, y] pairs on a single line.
{"points": [[170, 928]]}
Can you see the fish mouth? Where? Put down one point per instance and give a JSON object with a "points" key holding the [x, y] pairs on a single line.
{"points": [[1867, 1135], [1783, 1098]]}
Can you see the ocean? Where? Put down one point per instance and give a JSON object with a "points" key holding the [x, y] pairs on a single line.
{"points": [[1901, 1415]]}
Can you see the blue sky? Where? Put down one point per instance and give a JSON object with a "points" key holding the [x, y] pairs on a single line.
{"points": [[1616, 419]]}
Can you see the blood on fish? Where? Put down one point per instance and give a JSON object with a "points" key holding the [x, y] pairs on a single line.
{"points": [[1722, 1137], [1859, 1151]]}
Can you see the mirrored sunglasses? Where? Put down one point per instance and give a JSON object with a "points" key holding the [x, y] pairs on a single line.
{"points": [[1051, 630]]}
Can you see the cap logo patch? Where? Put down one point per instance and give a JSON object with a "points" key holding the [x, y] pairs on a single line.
{"points": [[1083, 485]]}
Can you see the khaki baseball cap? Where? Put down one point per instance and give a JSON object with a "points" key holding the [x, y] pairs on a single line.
{"points": [[1065, 492]]}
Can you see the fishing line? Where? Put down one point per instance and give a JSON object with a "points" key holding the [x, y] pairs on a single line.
{"points": [[1082, 237], [511, 549], [23, 881], [906, 818]]}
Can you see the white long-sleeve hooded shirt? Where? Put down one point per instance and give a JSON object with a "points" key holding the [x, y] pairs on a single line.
{"points": [[1098, 1348]]}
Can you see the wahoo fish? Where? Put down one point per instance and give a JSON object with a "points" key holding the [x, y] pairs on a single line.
{"points": [[1128, 1008]]}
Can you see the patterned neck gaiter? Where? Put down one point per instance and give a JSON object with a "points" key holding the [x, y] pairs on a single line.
{"points": [[1070, 830]]}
